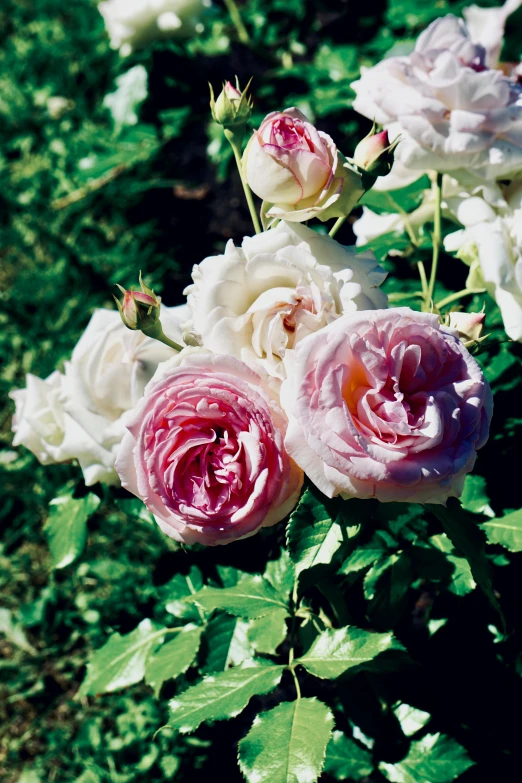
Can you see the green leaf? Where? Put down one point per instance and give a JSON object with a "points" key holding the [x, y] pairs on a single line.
{"points": [[364, 556], [225, 643], [252, 597], [173, 658], [467, 537], [346, 759], [287, 744], [433, 759], [386, 586], [176, 593], [410, 718], [398, 200], [222, 696], [474, 496], [506, 531], [281, 573], [121, 662], [66, 526], [14, 632], [267, 633], [462, 581], [313, 537], [337, 650]]}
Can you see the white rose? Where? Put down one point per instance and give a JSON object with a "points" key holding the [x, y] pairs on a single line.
{"points": [[258, 301], [42, 425], [486, 27], [496, 237], [81, 415], [133, 23], [453, 113]]}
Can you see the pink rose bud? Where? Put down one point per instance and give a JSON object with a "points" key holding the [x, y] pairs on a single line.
{"points": [[233, 107], [374, 154], [468, 325], [139, 309]]}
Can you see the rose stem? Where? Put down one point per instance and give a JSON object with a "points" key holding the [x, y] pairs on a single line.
{"points": [[436, 238], [293, 629], [157, 333], [242, 32], [458, 295], [248, 193], [337, 225]]}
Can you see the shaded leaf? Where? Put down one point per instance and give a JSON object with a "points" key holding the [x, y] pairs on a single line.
{"points": [[346, 759], [433, 759], [172, 658], [222, 696], [226, 643], [287, 744], [66, 526], [121, 662], [267, 633], [336, 651], [281, 573], [176, 592], [313, 537], [410, 718]]}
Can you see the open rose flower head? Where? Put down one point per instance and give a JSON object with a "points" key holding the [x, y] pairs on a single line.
{"points": [[205, 451], [388, 405], [453, 113], [81, 415], [133, 23], [297, 170], [257, 301]]}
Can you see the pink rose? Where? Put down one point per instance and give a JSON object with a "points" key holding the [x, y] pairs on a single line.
{"points": [[205, 451], [386, 404], [297, 170]]}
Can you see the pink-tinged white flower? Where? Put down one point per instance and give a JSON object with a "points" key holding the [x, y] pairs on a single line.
{"points": [[386, 404], [298, 171], [258, 301], [453, 113], [80, 415], [468, 326], [491, 240], [486, 27], [133, 23], [205, 452]]}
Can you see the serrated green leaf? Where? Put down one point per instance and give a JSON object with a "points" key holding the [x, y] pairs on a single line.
{"points": [[386, 586], [222, 696], [226, 643], [281, 573], [176, 592], [287, 744], [121, 662], [346, 759], [364, 556], [313, 537], [433, 759], [267, 633], [399, 200], [173, 658], [252, 597], [506, 531], [467, 538], [462, 581], [410, 718], [66, 526], [337, 650], [474, 496]]}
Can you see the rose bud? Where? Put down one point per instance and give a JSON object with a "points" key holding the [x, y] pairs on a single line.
{"points": [[298, 171], [374, 154], [469, 326], [136, 307], [232, 107]]}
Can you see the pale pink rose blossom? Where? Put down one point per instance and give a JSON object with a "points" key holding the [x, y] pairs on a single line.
{"points": [[297, 170], [204, 451], [386, 404]]}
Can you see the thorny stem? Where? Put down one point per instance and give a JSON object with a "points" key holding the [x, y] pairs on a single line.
{"points": [[436, 238], [242, 32], [248, 193]]}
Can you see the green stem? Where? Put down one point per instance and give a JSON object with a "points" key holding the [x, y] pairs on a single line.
{"points": [[436, 238], [248, 193], [242, 32], [458, 295], [423, 279], [157, 333], [337, 225]]}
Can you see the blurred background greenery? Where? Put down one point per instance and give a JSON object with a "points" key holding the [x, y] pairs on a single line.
{"points": [[85, 204]]}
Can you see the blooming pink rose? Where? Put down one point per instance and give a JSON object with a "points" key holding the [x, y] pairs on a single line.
{"points": [[297, 170], [386, 404], [205, 451]]}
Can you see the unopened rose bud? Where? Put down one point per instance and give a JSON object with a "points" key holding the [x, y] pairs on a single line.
{"points": [[139, 309], [232, 108], [374, 154], [468, 325]]}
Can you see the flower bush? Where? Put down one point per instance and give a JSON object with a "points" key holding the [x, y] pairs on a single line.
{"points": [[262, 515]]}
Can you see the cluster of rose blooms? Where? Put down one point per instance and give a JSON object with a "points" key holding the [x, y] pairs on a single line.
{"points": [[286, 361]]}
